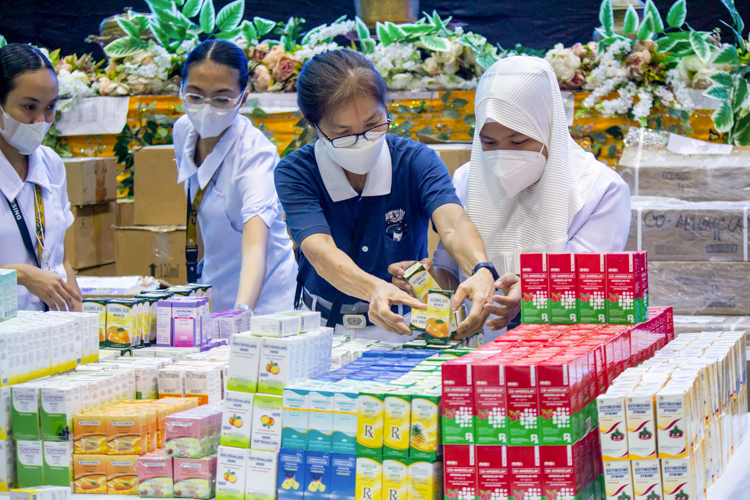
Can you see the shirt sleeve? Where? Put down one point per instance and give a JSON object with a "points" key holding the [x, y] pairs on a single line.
{"points": [[606, 228], [58, 181], [300, 200], [434, 181], [254, 182], [441, 259]]}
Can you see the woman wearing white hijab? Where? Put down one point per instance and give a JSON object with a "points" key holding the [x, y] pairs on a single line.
{"points": [[529, 187]]}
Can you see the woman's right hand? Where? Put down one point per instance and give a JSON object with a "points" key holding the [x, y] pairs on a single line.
{"points": [[383, 297], [50, 288]]}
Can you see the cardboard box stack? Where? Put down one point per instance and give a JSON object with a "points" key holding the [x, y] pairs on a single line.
{"points": [[92, 192], [519, 414], [153, 242], [669, 427]]}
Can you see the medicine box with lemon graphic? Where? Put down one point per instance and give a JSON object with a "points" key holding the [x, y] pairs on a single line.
{"points": [[266, 420], [237, 418]]}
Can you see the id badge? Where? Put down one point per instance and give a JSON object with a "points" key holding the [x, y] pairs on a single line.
{"points": [[354, 321]]}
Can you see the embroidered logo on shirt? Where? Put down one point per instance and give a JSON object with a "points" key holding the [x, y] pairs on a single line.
{"points": [[396, 228]]}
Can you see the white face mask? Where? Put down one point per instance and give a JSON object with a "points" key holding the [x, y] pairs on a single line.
{"points": [[26, 138], [210, 122], [516, 170], [359, 158]]}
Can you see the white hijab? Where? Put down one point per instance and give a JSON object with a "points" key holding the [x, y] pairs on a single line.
{"points": [[522, 93]]}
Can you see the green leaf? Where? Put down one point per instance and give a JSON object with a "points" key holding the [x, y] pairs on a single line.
{"points": [[159, 5], [404, 110], [259, 113], [437, 21], [383, 35], [123, 47], [452, 114], [263, 26], [228, 35], [368, 45], [192, 7], [728, 56], [700, 46], [666, 44], [739, 24], [159, 34], [717, 92], [230, 16], [742, 131], [470, 119], [417, 29], [658, 26], [248, 31], [722, 78], [631, 21], [194, 29], [459, 103], [740, 95], [129, 28], [435, 43], [141, 22], [208, 17], [677, 14], [606, 17], [446, 96], [723, 118], [647, 28], [363, 32], [3, 42], [395, 32]]}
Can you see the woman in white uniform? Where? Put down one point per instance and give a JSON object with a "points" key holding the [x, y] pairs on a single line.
{"points": [[227, 166], [34, 207], [529, 187]]}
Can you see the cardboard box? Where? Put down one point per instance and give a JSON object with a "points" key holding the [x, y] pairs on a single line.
{"points": [[343, 476], [461, 470], [90, 240], [122, 475], [30, 463], [492, 470], [90, 473], [526, 474], [155, 475], [195, 477], [157, 251], [290, 483], [125, 212], [534, 288], [159, 200], [91, 180], [58, 463], [592, 288], [101, 271], [230, 473], [262, 468]]}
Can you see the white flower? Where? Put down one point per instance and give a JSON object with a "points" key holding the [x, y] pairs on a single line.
{"points": [[400, 81], [645, 101], [328, 32], [74, 85], [698, 73], [431, 66], [307, 52], [563, 61]]}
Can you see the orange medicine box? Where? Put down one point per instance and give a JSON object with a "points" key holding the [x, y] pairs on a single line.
{"points": [[90, 433], [127, 433], [90, 473], [122, 475]]}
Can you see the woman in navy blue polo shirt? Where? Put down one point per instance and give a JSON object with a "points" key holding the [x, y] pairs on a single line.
{"points": [[359, 200]]}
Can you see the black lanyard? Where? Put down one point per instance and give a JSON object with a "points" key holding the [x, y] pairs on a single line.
{"points": [[23, 228], [191, 241]]}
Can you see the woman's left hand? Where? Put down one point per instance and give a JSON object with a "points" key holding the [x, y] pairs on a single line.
{"points": [[510, 302], [479, 289]]}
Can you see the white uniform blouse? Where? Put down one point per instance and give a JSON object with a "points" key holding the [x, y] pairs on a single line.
{"points": [[243, 161], [47, 170]]}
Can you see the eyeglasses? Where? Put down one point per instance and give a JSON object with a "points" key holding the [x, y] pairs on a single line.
{"points": [[372, 134], [194, 102]]}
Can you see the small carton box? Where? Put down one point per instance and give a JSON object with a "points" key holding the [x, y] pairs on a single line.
{"points": [[59, 404], [618, 482], [561, 402], [343, 476], [345, 420], [231, 472], [262, 467], [164, 337], [369, 480], [121, 323], [439, 316], [490, 394], [592, 288], [29, 463], [613, 432], [425, 480], [275, 325], [525, 471], [127, 433], [421, 281], [458, 419], [122, 475], [680, 479], [155, 475], [195, 477], [523, 403], [90, 473], [317, 475], [277, 363], [424, 439], [672, 412], [640, 413], [171, 382], [624, 288], [535, 291], [295, 430], [309, 320], [563, 289], [646, 479], [460, 470], [58, 463], [237, 419], [8, 464], [25, 411], [203, 383], [492, 470], [395, 478], [320, 420], [41, 493], [244, 362], [291, 472], [187, 322], [371, 414], [6, 411], [566, 469], [396, 424], [266, 431]]}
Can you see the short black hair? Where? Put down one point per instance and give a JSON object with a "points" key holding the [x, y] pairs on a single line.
{"points": [[18, 58], [332, 79], [220, 52]]}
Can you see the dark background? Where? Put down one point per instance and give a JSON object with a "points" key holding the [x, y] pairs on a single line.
{"points": [[533, 23]]}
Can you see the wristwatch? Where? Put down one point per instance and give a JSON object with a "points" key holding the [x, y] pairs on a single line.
{"points": [[489, 266], [242, 307]]}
